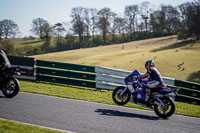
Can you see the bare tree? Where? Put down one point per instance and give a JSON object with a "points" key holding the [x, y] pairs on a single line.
{"points": [[15, 32], [131, 13], [190, 19], [157, 22], [36, 27], [105, 16], [78, 22], [171, 18], [120, 26], [145, 10], [8, 28], [93, 26], [87, 20]]}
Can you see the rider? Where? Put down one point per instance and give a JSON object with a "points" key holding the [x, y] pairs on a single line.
{"points": [[153, 74], [4, 62]]}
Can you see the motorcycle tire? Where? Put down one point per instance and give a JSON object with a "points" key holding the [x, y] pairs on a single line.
{"points": [[121, 100], [12, 89], [169, 106]]}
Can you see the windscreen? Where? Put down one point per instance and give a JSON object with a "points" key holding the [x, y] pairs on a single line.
{"points": [[4, 59]]}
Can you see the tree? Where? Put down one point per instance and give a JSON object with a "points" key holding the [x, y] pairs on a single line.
{"points": [[131, 13], [105, 16], [195, 6], [46, 30], [144, 12], [93, 22], [157, 22], [190, 19], [78, 22], [36, 27], [15, 31], [171, 18], [8, 28], [120, 24], [59, 30]]}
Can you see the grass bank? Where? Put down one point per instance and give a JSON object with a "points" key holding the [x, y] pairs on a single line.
{"points": [[167, 52], [93, 95]]}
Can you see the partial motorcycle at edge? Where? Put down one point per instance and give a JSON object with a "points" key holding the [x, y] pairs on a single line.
{"points": [[9, 85]]}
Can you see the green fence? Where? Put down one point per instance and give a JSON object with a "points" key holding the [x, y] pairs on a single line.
{"points": [[66, 73], [189, 92]]}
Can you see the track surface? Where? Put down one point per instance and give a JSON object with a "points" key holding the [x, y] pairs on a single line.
{"points": [[87, 117]]}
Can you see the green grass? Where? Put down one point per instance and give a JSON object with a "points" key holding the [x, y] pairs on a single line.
{"points": [[93, 95], [7, 126], [30, 47], [28, 43]]}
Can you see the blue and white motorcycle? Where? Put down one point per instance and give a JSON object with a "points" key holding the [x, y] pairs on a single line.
{"points": [[137, 92]]}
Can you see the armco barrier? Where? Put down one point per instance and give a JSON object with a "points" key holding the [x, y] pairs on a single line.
{"points": [[65, 73], [190, 92], [114, 77], [109, 78], [67, 66]]}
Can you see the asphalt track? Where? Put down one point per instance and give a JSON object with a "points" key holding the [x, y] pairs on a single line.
{"points": [[88, 117]]}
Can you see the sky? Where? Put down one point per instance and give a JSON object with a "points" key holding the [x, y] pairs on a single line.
{"points": [[22, 12]]}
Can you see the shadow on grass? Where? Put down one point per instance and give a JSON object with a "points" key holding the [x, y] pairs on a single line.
{"points": [[194, 77], [175, 45], [31, 42], [125, 114]]}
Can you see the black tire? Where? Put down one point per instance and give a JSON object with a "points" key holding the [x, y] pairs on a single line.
{"points": [[168, 110], [12, 88], [121, 100]]}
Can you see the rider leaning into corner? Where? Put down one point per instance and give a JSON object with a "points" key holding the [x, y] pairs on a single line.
{"points": [[4, 62], [156, 81]]}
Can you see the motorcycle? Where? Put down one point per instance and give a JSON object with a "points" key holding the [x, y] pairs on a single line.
{"points": [[137, 92], [9, 85]]}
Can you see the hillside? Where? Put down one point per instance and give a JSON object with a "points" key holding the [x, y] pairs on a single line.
{"points": [[180, 60]]}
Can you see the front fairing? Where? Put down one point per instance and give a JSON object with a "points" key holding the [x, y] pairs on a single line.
{"points": [[129, 78], [4, 59], [135, 73]]}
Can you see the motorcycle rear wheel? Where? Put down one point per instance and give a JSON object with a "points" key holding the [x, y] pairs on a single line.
{"points": [[167, 110], [12, 88], [121, 99]]}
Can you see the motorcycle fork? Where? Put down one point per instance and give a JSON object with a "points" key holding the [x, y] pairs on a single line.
{"points": [[158, 102], [123, 91]]}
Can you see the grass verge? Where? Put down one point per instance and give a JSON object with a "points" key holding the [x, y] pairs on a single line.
{"points": [[7, 126], [93, 95]]}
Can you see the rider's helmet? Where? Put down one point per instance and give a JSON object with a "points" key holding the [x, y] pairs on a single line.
{"points": [[149, 63]]}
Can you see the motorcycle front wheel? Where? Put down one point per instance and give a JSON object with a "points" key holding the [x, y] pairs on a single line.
{"points": [[11, 87], [167, 110], [121, 99]]}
